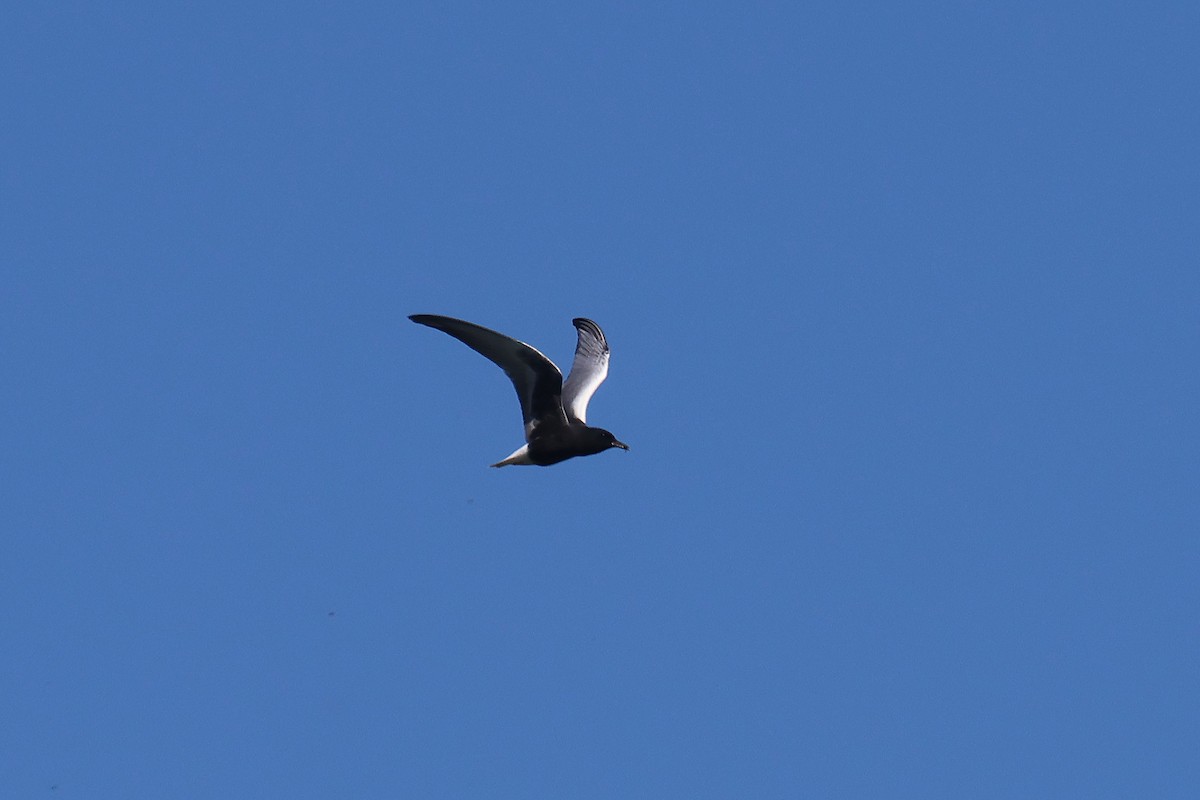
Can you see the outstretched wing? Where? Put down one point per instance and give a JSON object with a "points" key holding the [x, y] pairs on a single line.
{"points": [[587, 372], [538, 382]]}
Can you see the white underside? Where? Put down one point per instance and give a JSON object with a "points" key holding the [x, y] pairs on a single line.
{"points": [[519, 456]]}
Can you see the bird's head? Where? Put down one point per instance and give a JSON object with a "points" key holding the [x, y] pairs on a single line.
{"points": [[607, 440]]}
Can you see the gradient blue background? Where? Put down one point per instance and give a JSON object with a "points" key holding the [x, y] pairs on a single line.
{"points": [[904, 302]]}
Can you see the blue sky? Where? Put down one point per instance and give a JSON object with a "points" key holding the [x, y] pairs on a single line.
{"points": [[903, 303]]}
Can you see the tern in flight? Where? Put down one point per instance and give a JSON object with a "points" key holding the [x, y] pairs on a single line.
{"points": [[555, 412]]}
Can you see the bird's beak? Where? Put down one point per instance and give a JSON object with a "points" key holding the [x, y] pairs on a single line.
{"points": [[621, 445]]}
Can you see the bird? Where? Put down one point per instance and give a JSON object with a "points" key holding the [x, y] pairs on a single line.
{"points": [[555, 413]]}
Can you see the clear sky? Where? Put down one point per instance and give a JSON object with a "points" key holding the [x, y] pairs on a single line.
{"points": [[904, 306]]}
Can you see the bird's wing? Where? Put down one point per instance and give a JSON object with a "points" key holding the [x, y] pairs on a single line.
{"points": [[587, 372], [538, 382]]}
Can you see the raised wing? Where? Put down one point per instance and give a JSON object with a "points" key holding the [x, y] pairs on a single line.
{"points": [[587, 372], [538, 382]]}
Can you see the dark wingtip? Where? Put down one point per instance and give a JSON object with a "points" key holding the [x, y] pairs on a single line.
{"points": [[585, 324], [424, 319]]}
